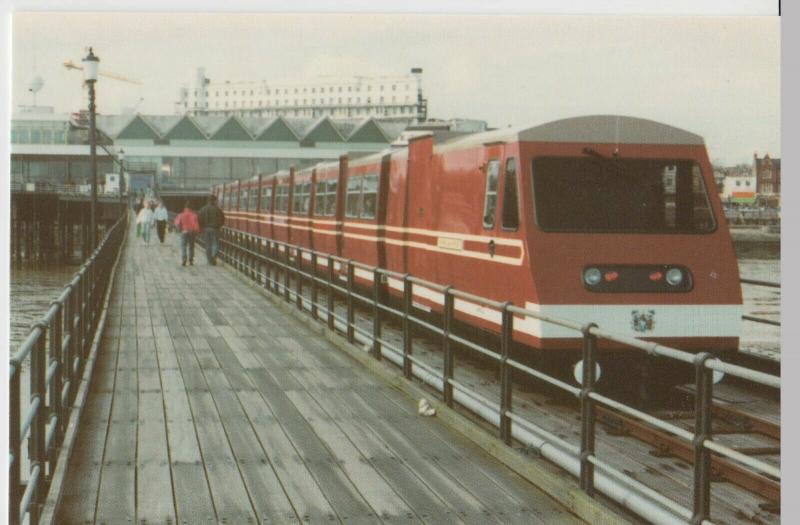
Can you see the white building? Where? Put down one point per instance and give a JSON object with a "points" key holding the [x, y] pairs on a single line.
{"points": [[739, 186], [397, 97]]}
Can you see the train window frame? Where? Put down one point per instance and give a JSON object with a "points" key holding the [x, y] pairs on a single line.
{"points": [[253, 205], [370, 178], [514, 176], [325, 198], [282, 198], [489, 194], [266, 199], [697, 170], [301, 198], [353, 194]]}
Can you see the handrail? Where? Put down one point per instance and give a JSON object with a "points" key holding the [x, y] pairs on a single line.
{"points": [[271, 263], [57, 347]]}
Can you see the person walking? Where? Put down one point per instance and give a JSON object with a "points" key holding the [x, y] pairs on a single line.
{"points": [[188, 226], [136, 209], [161, 218], [145, 221], [211, 218]]}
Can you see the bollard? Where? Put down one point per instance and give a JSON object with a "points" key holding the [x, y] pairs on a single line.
{"points": [[506, 338], [447, 347], [407, 341], [587, 408], [702, 431]]}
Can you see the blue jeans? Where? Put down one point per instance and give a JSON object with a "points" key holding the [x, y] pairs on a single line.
{"points": [[212, 244], [187, 246], [146, 232]]}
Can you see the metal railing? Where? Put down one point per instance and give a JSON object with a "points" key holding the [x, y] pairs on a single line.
{"points": [[57, 347], [272, 264], [767, 284]]}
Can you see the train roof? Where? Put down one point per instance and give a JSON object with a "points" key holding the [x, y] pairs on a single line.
{"points": [[603, 129]]}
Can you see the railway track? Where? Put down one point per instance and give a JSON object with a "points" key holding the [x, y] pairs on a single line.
{"points": [[657, 459]]}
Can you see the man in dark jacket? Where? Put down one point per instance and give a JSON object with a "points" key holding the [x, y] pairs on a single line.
{"points": [[211, 221]]}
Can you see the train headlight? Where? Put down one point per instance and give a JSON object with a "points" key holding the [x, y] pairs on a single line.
{"points": [[674, 276], [592, 276]]}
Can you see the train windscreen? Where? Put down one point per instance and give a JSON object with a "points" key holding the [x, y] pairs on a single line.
{"points": [[600, 194]]}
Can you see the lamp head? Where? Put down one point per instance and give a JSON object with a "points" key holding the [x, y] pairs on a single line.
{"points": [[90, 63]]}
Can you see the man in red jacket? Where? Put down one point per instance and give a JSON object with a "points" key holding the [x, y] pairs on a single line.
{"points": [[188, 225]]}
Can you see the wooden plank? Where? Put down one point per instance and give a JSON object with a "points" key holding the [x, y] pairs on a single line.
{"points": [[154, 502], [116, 499], [298, 483], [369, 484], [193, 501]]}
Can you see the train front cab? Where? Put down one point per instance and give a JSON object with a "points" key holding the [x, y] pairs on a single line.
{"points": [[626, 230]]}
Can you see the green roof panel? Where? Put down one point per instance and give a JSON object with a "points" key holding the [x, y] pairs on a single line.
{"points": [[278, 131], [232, 130], [368, 132], [138, 129], [323, 132], [185, 129]]}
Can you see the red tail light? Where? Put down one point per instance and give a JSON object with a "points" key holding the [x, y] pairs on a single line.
{"points": [[611, 276], [656, 276]]}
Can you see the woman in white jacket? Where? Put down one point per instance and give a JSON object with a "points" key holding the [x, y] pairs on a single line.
{"points": [[145, 220]]}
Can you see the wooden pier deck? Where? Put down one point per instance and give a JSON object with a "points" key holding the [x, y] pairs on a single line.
{"points": [[210, 405]]}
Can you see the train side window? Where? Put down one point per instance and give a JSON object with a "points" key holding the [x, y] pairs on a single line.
{"points": [[490, 200], [244, 200], [321, 196], [305, 199], [253, 199], [266, 199], [282, 199], [353, 208], [330, 202], [510, 197], [370, 197]]}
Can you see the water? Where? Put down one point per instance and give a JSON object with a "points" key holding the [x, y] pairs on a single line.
{"points": [[763, 302], [32, 290]]}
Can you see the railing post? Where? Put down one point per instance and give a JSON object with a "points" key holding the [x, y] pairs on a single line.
{"points": [[447, 347], [589, 357], [14, 444], [36, 441], [298, 275], [330, 293], [286, 265], [702, 432], [407, 341], [351, 313], [69, 331], [506, 338], [376, 313], [79, 322], [56, 351], [314, 286]]}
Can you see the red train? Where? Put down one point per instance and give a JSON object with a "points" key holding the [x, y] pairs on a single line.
{"points": [[606, 219]]}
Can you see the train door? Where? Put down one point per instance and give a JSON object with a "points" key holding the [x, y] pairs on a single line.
{"points": [[266, 206], [383, 199], [340, 203]]}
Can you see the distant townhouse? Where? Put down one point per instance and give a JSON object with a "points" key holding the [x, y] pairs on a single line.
{"points": [[767, 172]]}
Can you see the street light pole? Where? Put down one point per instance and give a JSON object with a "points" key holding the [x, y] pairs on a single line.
{"points": [[121, 157], [90, 69]]}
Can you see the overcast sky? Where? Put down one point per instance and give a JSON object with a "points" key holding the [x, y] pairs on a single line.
{"points": [[715, 76]]}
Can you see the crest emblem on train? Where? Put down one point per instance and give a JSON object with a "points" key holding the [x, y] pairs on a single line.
{"points": [[643, 320]]}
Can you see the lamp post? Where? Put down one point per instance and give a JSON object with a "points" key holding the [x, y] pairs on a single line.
{"points": [[90, 64], [121, 158]]}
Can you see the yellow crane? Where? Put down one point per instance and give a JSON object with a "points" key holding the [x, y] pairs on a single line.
{"points": [[69, 64]]}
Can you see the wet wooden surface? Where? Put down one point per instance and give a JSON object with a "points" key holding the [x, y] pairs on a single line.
{"points": [[209, 405]]}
